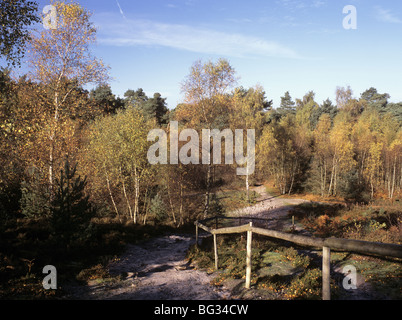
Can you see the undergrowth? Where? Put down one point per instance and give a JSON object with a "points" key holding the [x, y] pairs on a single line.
{"points": [[296, 278]]}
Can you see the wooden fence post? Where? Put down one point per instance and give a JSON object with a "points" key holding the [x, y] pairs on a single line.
{"points": [[326, 273], [216, 252], [358, 246], [196, 233], [248, 260]]}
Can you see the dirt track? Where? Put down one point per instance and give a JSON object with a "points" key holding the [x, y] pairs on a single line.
{"points": [[271, 207], [157, 269]]}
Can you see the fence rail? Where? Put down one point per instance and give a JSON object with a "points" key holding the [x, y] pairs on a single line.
{"points": [[357, 246]]}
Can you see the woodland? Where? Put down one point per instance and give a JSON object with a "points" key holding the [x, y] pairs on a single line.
{"points": [[75, 181]]}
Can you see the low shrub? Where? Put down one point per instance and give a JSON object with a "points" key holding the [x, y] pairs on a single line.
{"points": [[298, 260], [306, 286]]}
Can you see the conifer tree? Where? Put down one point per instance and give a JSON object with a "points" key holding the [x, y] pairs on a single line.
{"points": [[71, 209], [287, 105]]}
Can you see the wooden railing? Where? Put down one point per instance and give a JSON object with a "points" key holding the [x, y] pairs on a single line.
{"points": [[357, 246]]}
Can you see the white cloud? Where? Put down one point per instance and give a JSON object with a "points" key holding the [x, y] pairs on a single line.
{"points": [[385, 15], [184, 37], [318, 3], [297, 5]]}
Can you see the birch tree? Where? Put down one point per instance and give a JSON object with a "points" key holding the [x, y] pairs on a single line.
{"points": [[117, 149], [282, 151], [248, 113], [206, 104], [342, 153], [60, 56], [322, 152]]}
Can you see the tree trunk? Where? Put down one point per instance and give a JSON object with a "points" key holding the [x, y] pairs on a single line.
{"points": [[333, 172], [125, 195], [181, 204], [171, 203], [335, 179], [393, 180], [137, 194], [146, 206], [206, 203], [247, 185], [51, 191], [52, 139], [323, 177], [110, 194], [293, 177], [372, 187]]}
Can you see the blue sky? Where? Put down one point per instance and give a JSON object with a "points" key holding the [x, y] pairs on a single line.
{"points": [[282, 45]]}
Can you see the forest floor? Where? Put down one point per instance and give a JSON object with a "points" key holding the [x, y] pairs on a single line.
{"points": [[157, 269]]}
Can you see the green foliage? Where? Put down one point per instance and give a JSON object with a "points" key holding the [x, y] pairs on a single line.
{"points": [[306, 286], [326, 108], [216, 205], [134, 98], [152, 108], [105, 100], [287, 105], [284, 271], [298, 260], [116, 154], [375, 100], [35, 199], [71, 209], [395, 109], [155, 108], [158, 208]]}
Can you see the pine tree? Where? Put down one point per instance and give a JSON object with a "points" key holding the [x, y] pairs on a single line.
{"points": [[155, 108], [287, 105], [34, 200], [71, 209]]}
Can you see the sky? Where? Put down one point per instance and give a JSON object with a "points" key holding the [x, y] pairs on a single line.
{"points": [[282, 45]]}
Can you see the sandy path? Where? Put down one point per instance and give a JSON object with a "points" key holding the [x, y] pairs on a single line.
{"points": [[271, 207], [156, 270]]}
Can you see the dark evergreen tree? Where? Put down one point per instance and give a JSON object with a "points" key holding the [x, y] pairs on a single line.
{"points": [[287, 105], [71, 209], [396, 110], [156, 108], [134, 98], [375, 100], [104, 98], [35, 197], [326, 107]]}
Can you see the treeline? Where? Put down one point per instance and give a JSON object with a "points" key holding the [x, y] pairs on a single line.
{"points": [[351, 149], [68, 152]]}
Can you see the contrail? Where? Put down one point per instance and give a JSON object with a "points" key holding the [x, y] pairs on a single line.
{"points": [[121, 11]]}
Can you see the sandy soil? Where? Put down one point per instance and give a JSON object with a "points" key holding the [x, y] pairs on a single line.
{"points": [[273, 208], [157, 269]]}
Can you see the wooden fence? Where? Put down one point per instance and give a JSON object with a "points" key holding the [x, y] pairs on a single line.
{"points": [[357, 246]]}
